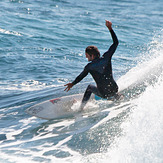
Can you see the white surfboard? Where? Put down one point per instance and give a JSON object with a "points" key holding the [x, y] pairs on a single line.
{"points": [[56, 108]]}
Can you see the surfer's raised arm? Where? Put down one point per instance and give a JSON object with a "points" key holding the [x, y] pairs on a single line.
{"points": [[108, 54]]}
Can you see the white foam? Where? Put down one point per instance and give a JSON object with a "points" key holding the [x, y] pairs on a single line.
{"points": [[10, 32], [29, 85]]}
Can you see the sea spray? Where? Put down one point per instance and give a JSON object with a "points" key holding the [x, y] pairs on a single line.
{"points": [[143, 131]]}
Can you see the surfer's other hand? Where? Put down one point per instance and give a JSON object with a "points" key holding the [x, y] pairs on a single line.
{"points": [[69, 86]]}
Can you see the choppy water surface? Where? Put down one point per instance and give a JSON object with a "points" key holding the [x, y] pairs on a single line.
{"points": [[42, 47]]}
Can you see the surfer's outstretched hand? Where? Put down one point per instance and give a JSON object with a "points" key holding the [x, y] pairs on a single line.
{"points": [[69, 86]]}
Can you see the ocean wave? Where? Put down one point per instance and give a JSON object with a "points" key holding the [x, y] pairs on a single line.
{"points": [[143, 130], [147, 70]]}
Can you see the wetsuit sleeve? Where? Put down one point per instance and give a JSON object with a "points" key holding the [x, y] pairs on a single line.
{"points": [[83, 74], [108, 54]]}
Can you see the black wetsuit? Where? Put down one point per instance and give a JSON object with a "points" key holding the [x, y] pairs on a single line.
{"points": [[101, 71]]}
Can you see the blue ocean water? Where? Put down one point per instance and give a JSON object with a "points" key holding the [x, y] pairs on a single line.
{"points": [[42, 47]]}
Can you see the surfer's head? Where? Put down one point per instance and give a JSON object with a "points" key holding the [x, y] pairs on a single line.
{"points": [[92, 52]]}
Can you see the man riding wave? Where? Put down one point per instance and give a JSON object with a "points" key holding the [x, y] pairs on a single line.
{"points": [[101, 70]]}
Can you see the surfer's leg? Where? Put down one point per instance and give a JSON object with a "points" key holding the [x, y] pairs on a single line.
{"points": [[90, 89]]}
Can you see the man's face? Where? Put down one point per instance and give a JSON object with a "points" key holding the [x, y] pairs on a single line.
{"points": [[90, 58]]}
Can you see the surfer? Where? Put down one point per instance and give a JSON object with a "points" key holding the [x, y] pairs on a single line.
{"points": [[101, 70]]}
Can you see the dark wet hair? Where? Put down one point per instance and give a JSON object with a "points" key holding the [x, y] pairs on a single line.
{"points": [[93, 50]]}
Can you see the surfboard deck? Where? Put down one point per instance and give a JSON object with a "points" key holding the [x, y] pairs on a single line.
{"points": [[56, 108], [60, 107]]}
